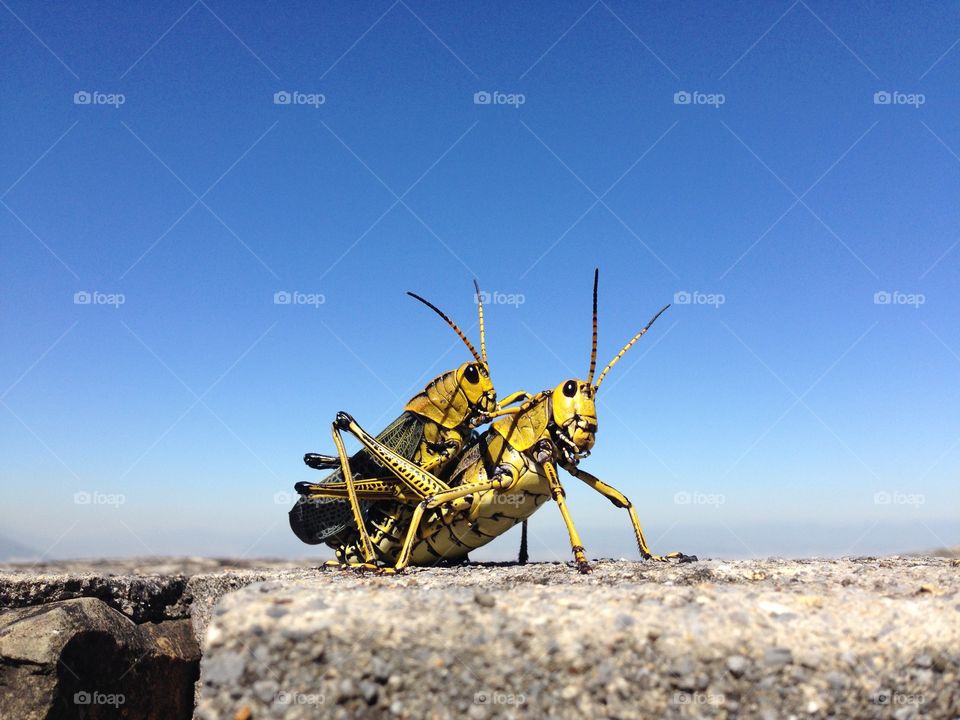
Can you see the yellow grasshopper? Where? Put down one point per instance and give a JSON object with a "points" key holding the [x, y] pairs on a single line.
{"points": [[430, 433], [502, 477]]}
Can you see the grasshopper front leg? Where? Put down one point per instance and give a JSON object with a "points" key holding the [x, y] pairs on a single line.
{"points": [[620, 500], [560, 496]]}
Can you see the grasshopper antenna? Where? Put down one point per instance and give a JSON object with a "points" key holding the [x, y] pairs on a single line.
{"points": [[451, 323], [628, 346], [593, 350], [483, 338]]}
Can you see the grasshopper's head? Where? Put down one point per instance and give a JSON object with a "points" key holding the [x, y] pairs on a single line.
{"points": [[573, 402], [470, 382], [574, 425], [473, 379]]}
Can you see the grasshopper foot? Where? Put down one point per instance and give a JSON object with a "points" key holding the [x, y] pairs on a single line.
{"points": [[583, 567]]}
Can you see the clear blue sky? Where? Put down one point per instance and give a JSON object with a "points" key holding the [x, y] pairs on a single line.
{"points": [[785, 188]]}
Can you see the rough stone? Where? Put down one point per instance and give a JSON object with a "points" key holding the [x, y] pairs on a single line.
{"points": [[82, 658]]}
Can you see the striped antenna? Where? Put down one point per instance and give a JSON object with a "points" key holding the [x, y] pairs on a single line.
{"points": [[483, 338], [629, 345], [449, 322], [593, 350]]}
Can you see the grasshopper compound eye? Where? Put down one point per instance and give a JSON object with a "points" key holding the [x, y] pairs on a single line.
{"points": [[471, 374], [570, 388]]}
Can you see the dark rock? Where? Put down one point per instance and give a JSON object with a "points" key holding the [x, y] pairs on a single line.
{"points": [[82, 658]]}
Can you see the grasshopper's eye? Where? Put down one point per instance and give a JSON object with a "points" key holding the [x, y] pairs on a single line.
{"points": [[570, 388], [471, 374]]}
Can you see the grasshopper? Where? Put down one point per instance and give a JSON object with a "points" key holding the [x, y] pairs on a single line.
{"points": [[430, 433], [503, 476]]}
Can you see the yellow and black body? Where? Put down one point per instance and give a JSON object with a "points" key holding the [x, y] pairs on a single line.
{"points": [[503, 476], [431, 432]]}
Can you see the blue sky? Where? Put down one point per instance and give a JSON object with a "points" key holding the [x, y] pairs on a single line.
{"points": [[789, 170]]}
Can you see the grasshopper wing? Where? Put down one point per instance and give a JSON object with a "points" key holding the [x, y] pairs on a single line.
{"points": [[319, 520]]}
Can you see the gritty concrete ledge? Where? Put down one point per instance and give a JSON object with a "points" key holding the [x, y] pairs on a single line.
{"points": [[856, 638]]}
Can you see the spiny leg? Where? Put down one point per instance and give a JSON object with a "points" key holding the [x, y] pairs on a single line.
{"points": [[365, 546], [416, 483], [414, 478], [559, 495], [621, 501]]}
